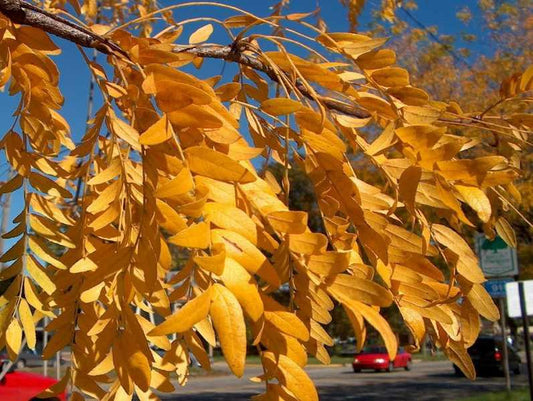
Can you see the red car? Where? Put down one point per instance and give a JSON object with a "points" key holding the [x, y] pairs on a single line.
{"points": [[376, 358], [24, 386]]}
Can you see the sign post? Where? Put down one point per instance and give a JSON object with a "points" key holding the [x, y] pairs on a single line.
{"points": [[520, 304], [499, 261], [505, 350], [525, 323]]}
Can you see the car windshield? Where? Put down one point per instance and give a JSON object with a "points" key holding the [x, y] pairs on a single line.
{"points": [[374, 349]]}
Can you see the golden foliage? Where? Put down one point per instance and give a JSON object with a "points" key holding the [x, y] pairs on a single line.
{"points": [[163, 163]]}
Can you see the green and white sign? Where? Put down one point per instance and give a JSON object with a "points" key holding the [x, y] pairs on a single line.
{"points": [[496, 258]]}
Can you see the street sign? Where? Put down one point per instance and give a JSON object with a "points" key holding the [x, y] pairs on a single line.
{"points": [[496, 258], [513, 298], [496, 288]]}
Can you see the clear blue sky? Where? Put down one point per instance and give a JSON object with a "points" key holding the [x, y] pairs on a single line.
{"points": [[75, 76]]}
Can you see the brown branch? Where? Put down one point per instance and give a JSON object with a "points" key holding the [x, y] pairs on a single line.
{"points": [[230, 53], [21, 12]]}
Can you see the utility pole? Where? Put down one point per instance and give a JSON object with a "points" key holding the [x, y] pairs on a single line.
{"points": [[505, 349]]}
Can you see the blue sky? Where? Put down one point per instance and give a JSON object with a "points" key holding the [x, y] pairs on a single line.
{"points": [[75, 76]]}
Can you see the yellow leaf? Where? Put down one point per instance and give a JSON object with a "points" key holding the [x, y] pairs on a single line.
{"points": [[103, 367], [457, 353], [125, 131], [214, 262], [105, 218], [283, 320], [205, 328], [195, 116], [247, 254], [280, 106], [196, 235], [179, 185], [201, 34], [481, 300], [83, 265], [377, 59], [228, 320], [137, 363], [38, 273], [467, 263], [288, 221], [420, 114], [409, 95], [244, 287], [449, 199], [228, 91], [93, 293], [186, 317], [210, 163], [504, 230], [477, 200], [172, 96], [13, 338], [346, 288], [308, 243], [169, 219], [329, 263], [37, 39], [232, 219], [42, 251], [26, 318], [157, 133], [391, 77], [407, 185], [238, 21], [290, 375], [107, 196], [56, 388], [373, 317]]}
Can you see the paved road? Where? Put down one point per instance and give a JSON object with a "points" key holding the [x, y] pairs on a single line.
{"points": [[427, 381]]}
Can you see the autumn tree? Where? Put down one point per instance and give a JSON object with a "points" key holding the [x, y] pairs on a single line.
{"points": [[491, 43], [168, 158]]}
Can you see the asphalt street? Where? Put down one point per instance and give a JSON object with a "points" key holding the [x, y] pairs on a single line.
{"points": [[427, 381]]}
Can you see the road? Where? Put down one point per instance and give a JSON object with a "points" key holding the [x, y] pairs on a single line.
{"points": [[427, 381]]}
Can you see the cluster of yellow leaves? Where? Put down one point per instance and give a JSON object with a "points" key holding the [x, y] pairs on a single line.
{"points": [[163, 164]]}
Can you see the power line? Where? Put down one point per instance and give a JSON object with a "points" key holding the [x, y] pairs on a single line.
{"points": [[454, 54]]}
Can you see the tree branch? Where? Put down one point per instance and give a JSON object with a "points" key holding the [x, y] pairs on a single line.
{"points": [[230, 53], [21, 12]]}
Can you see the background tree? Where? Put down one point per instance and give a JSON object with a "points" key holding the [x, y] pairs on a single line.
{"points": [[491, 46], [167, 153]]}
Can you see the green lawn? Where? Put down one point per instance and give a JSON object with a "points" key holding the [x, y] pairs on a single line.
{"points": [[254, 359], [515, 395]]}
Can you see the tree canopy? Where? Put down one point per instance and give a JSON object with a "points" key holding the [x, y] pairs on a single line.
{"points": [[171, 161]]}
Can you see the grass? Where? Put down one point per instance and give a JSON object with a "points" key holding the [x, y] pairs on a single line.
{"points": [[514, 395], [439, 356], [255, 360]]}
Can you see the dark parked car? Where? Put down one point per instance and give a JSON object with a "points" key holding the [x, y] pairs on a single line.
{"points": [[487, 356], [377, 358]]}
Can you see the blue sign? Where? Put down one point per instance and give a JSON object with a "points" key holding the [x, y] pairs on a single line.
{"points": [[496, 288]]}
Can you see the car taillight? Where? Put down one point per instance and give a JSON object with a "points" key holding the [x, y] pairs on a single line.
{"points": [[498, 356]]}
